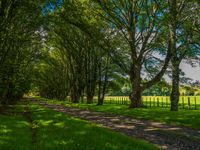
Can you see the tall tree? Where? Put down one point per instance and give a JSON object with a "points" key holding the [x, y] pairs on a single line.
{"points": [[140, 23], [183, 37]]}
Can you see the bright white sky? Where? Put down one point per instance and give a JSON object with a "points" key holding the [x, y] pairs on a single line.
{"points": [[191, 72]]}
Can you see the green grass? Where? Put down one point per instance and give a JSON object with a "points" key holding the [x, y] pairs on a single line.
{"points": [[58, 131], [14, 132], [190, 118]]}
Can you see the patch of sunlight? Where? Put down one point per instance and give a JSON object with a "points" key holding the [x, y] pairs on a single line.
{"points": [[45, 123], [59, 124], [110, 146], [58, 115], [63, 142], [22, 123], [5, 138], [44, 136], [5, 130], [81, 132], [3, 126]]}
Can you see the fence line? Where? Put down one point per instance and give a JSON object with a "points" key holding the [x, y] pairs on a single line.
{"points": [[185, 102]]}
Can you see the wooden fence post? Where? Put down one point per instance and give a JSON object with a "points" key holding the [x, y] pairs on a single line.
{"points": [[188, 102], [146, 101], [157, 102], [183, 102], [195, 102], [150, 101]]}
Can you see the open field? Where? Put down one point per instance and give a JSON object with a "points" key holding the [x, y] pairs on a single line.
{"points": [[185, 102], [37, 128]]}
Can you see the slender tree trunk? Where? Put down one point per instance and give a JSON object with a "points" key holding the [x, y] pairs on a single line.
{"points": [[103, 85], [102, 95], [75, 95], [175, 87], [174, 97], [100, 101]]}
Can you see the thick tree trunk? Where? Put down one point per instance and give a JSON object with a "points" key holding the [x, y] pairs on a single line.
{"points": [[175, 87], [174, 97], [136, 95], [75, 98], [100, 101], [103, 84], [102, 95], [90, 98], [135, 77]]}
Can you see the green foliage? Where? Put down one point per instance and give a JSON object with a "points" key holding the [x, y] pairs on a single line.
{"points": [[19, 47], [52, 79], [160, 89]]}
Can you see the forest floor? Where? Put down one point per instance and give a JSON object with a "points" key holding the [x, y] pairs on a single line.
{"points": [[165, 136]]}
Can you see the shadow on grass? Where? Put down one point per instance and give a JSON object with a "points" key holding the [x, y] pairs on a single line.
{"points": [[183, 117], [59, 131], [14, 133]]}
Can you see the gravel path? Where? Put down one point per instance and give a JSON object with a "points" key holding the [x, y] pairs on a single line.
{"points": [[164, 136]]}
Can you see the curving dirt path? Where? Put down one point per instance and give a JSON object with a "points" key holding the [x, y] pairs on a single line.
{"points": [[164, 136]]}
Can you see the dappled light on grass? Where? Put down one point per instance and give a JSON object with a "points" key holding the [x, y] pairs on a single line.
{"points": [[188, 118], [65, 132], [183, 117], [14, 133]]}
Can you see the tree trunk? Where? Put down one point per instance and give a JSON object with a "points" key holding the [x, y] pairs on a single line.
{"points": [[136, 95], [174, 97], [90, 98], [75, 96], [135, 77], [100, 101], [103, 84]]}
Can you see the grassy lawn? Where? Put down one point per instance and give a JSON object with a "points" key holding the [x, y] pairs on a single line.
{"points": [[14, 132], [55, 130], [183, 117]]}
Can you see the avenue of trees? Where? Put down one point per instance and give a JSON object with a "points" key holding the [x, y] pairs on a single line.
{"points": [[87, 48]]}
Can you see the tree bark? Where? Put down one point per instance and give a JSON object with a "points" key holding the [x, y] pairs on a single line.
{"points": [[102, 84], [174, 97], [136, 95], [75, 95], [90, 98]]}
